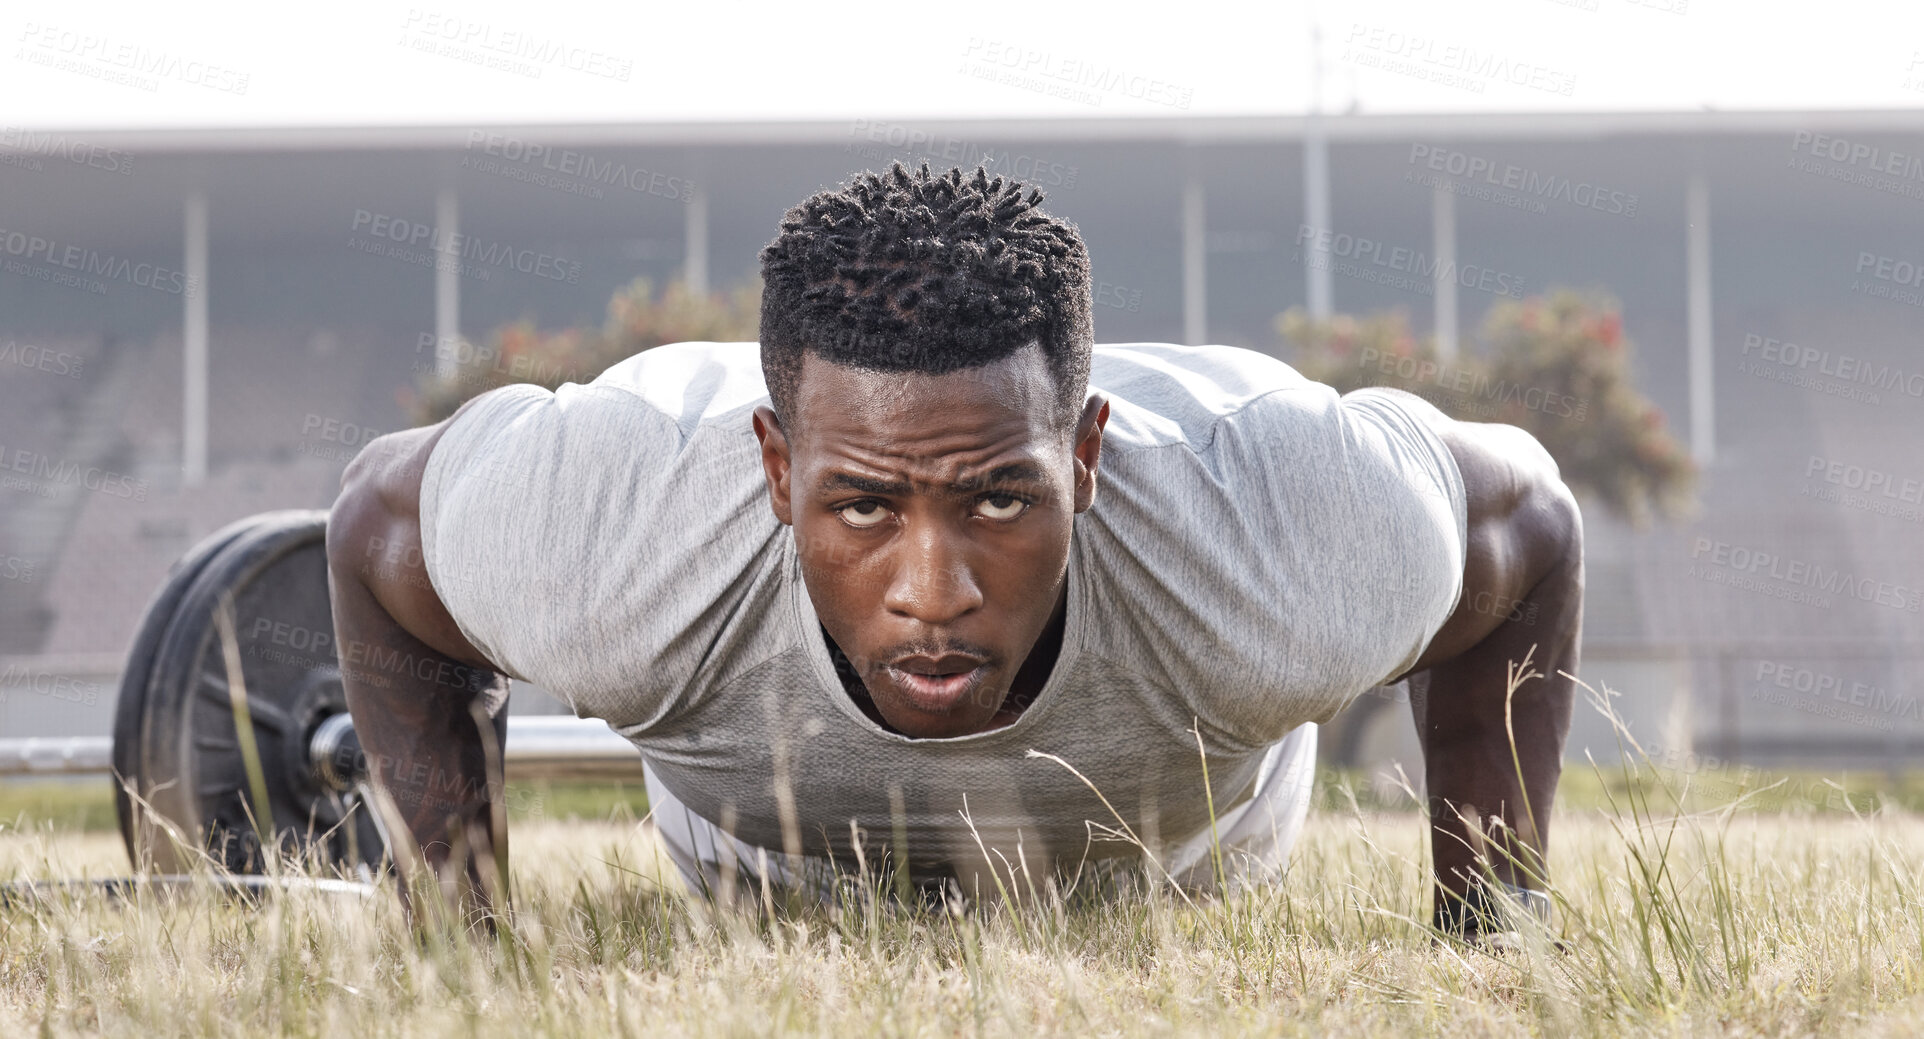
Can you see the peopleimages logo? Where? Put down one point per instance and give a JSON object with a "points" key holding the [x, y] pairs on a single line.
{"points": [[283, 642], [88, 263], [22, 145], [1857, 153], [566, 169], [1478, 66], [1854, 162], [1890, 268], [1405, 260], [941, 151], [1843, 367], [1902, 279], [48, 684], [103, 57], [1870, 481], [430, 350], [40, 358], [1750, 565], [508, 48], [1882, 493], [36, 466], [1061, 75], [1465, 383], [1817, 684], [1528, 184], [382, 228]]}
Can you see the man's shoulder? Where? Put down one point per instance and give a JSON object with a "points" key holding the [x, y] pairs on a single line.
{"points": [[1159, 392], [612, 529], [1162, 393], [1229, 371], [692, 382], [676, 377], [1314, 535]]}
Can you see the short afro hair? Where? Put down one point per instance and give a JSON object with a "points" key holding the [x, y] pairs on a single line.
{"points": [[912, 272]]}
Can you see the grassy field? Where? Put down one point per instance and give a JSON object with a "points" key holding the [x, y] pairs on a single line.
{"points": [[1803, 916]]}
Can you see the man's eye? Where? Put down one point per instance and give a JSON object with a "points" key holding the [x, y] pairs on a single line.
{"points": [[1001, 506], [863, 514]]}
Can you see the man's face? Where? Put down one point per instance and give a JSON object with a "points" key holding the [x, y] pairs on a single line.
{"points": [[932, 514]]}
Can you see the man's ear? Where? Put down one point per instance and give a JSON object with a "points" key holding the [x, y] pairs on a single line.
{"points": [[776, 461], [1088, 448]]}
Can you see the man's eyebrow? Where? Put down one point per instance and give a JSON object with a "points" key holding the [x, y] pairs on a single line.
{"points": [[847, 481], [1023, 471], [1019, 472]]}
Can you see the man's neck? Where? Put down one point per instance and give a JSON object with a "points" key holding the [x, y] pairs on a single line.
{"points": [[1041, 661]]}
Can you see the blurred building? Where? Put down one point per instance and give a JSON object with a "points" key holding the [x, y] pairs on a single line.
{"points": [[1769, 266]]}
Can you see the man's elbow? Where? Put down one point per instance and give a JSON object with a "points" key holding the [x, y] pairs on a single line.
{"points": [[353, 525], [385, 463], [1559, 523]]}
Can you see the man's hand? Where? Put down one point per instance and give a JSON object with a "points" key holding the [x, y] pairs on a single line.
{"points": [[429, 710], [1491, 701]]}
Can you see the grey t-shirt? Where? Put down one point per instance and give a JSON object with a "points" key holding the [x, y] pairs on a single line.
{"points": [[1260, 552]]}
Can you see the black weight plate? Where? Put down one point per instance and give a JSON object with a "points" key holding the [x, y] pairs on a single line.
{"points": [[276, 573], [130, 709]]}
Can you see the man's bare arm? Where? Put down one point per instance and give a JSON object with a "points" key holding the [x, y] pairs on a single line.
{"points": [[1522, 598], [429, 709]]}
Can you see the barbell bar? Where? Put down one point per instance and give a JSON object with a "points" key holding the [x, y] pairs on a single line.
{"points": [[539, 746]]}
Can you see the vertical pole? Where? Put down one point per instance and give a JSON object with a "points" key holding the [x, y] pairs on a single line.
{"points": [[1703, 425], [694, 266], [1443, 239], [193, 439], [1195, 259], [1316, 260], [447, 283]]}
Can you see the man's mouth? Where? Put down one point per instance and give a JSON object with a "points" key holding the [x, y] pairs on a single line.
{"points": [[938, 685]]}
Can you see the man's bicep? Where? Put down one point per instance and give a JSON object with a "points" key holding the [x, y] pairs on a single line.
{"points": [[374, 540], [1521, 524]]}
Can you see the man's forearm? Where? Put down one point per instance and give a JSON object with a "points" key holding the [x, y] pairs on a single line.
{"points": [[431, 727], [1472, 769]]}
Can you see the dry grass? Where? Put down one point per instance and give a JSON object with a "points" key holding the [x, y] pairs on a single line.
{"points": [[1705, 924]]}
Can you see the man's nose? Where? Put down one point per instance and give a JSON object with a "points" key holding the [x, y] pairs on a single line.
{"points": [[932, 581]]}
